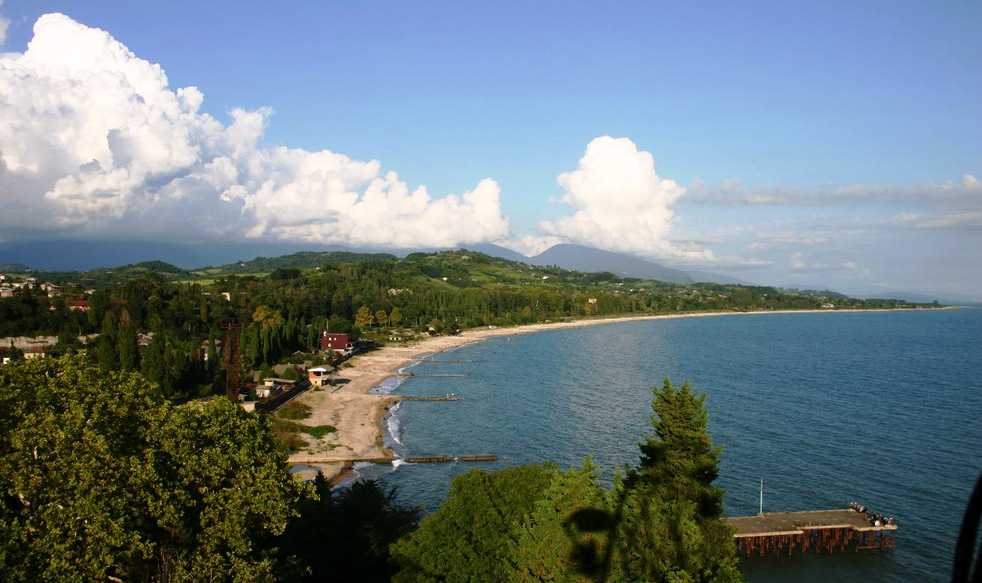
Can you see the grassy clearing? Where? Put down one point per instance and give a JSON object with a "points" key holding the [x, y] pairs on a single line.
{"points": [[287, 431], [287, 434], [294, 410]]}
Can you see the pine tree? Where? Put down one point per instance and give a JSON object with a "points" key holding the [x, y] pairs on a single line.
{"points": [[667, 515], [681, 457]]}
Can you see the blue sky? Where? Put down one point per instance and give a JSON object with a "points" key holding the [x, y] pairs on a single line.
{"points": [[797, 100]]}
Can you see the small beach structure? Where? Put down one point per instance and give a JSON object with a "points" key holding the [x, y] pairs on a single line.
{"points": [[823, 531], [318, 376]]}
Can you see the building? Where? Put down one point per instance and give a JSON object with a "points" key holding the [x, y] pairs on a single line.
{"points": [[318, 376], [52, 289], [34, 351], [81, 305], [271, 386], [336, 341]]}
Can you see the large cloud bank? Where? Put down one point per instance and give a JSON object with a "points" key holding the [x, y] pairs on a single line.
{"points": [[93, 141], [620, 203]]}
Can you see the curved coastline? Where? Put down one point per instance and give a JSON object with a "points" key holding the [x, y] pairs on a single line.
{"points": [[359, 411]]}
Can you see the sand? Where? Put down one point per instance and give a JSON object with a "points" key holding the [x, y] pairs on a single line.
{"points": [[358, 415]]}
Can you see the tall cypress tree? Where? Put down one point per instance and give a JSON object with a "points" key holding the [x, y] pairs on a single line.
{"points": [[129, 353], [681, 458], [106, 346], [667, 514]]}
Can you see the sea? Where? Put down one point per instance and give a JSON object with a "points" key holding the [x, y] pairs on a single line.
{"points": [[882, 408]]}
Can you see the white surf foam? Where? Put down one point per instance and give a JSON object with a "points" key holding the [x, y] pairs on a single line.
{"points": [[393, 425]]}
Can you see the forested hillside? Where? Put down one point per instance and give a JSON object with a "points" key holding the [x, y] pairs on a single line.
{"points": [[284, 303]]}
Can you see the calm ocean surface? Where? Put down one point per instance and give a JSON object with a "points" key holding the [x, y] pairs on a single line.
{"points": [[882, 408]]}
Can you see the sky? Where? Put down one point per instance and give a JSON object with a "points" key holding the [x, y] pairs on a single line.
{"points": [[813, 144]]}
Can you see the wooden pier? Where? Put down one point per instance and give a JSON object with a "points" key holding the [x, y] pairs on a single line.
{"points": [[823, 531], [443, 459], [432, 375], [422, 398]]}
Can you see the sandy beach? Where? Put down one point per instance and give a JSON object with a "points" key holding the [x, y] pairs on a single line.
{"points": [[358, 415]]}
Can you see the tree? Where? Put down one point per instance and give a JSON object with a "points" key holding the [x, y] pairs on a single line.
{"points": [[436, 326], [469, 537], [105, 480], [345, 535], [127, 348], [106, 345], [563, 537], [667, 523], [267, 318], [14, 353], [395, 317], [381, 318], [680, 459], [363, 318]]}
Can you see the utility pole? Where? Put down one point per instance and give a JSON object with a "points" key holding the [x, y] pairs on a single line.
{"points": [[761, 513]]}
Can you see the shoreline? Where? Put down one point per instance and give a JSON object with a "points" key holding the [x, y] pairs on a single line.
{"points": [[359, 414]]}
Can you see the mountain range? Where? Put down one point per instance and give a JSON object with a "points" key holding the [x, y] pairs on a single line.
{"points": [[86, 255], [73, 255]]}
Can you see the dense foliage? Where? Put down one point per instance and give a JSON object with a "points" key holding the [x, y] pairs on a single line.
{"points": [[284, 303], [537, 523], [345, 535], [102, 479]]}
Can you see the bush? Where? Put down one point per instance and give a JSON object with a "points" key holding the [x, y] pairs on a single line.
{"points": [[318, 431]]}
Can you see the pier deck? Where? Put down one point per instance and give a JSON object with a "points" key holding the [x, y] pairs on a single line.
{"points": [[443, 459], [425, 398], [822, 530]]}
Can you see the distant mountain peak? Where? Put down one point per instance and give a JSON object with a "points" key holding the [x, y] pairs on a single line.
{"points": [[589, 259]]}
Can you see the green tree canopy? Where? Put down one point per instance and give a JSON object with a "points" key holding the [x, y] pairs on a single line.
{"points": [[381, 318], [680, 460], [667, 525], [536, 523], [469, 537], [363, 318], [103, 478]]}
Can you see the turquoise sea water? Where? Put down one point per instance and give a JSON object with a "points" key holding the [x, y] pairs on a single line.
{"points": [[882, 408]]}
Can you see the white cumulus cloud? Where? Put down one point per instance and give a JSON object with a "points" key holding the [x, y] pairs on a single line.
{"points": [[93, 141], [620, 203]]}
